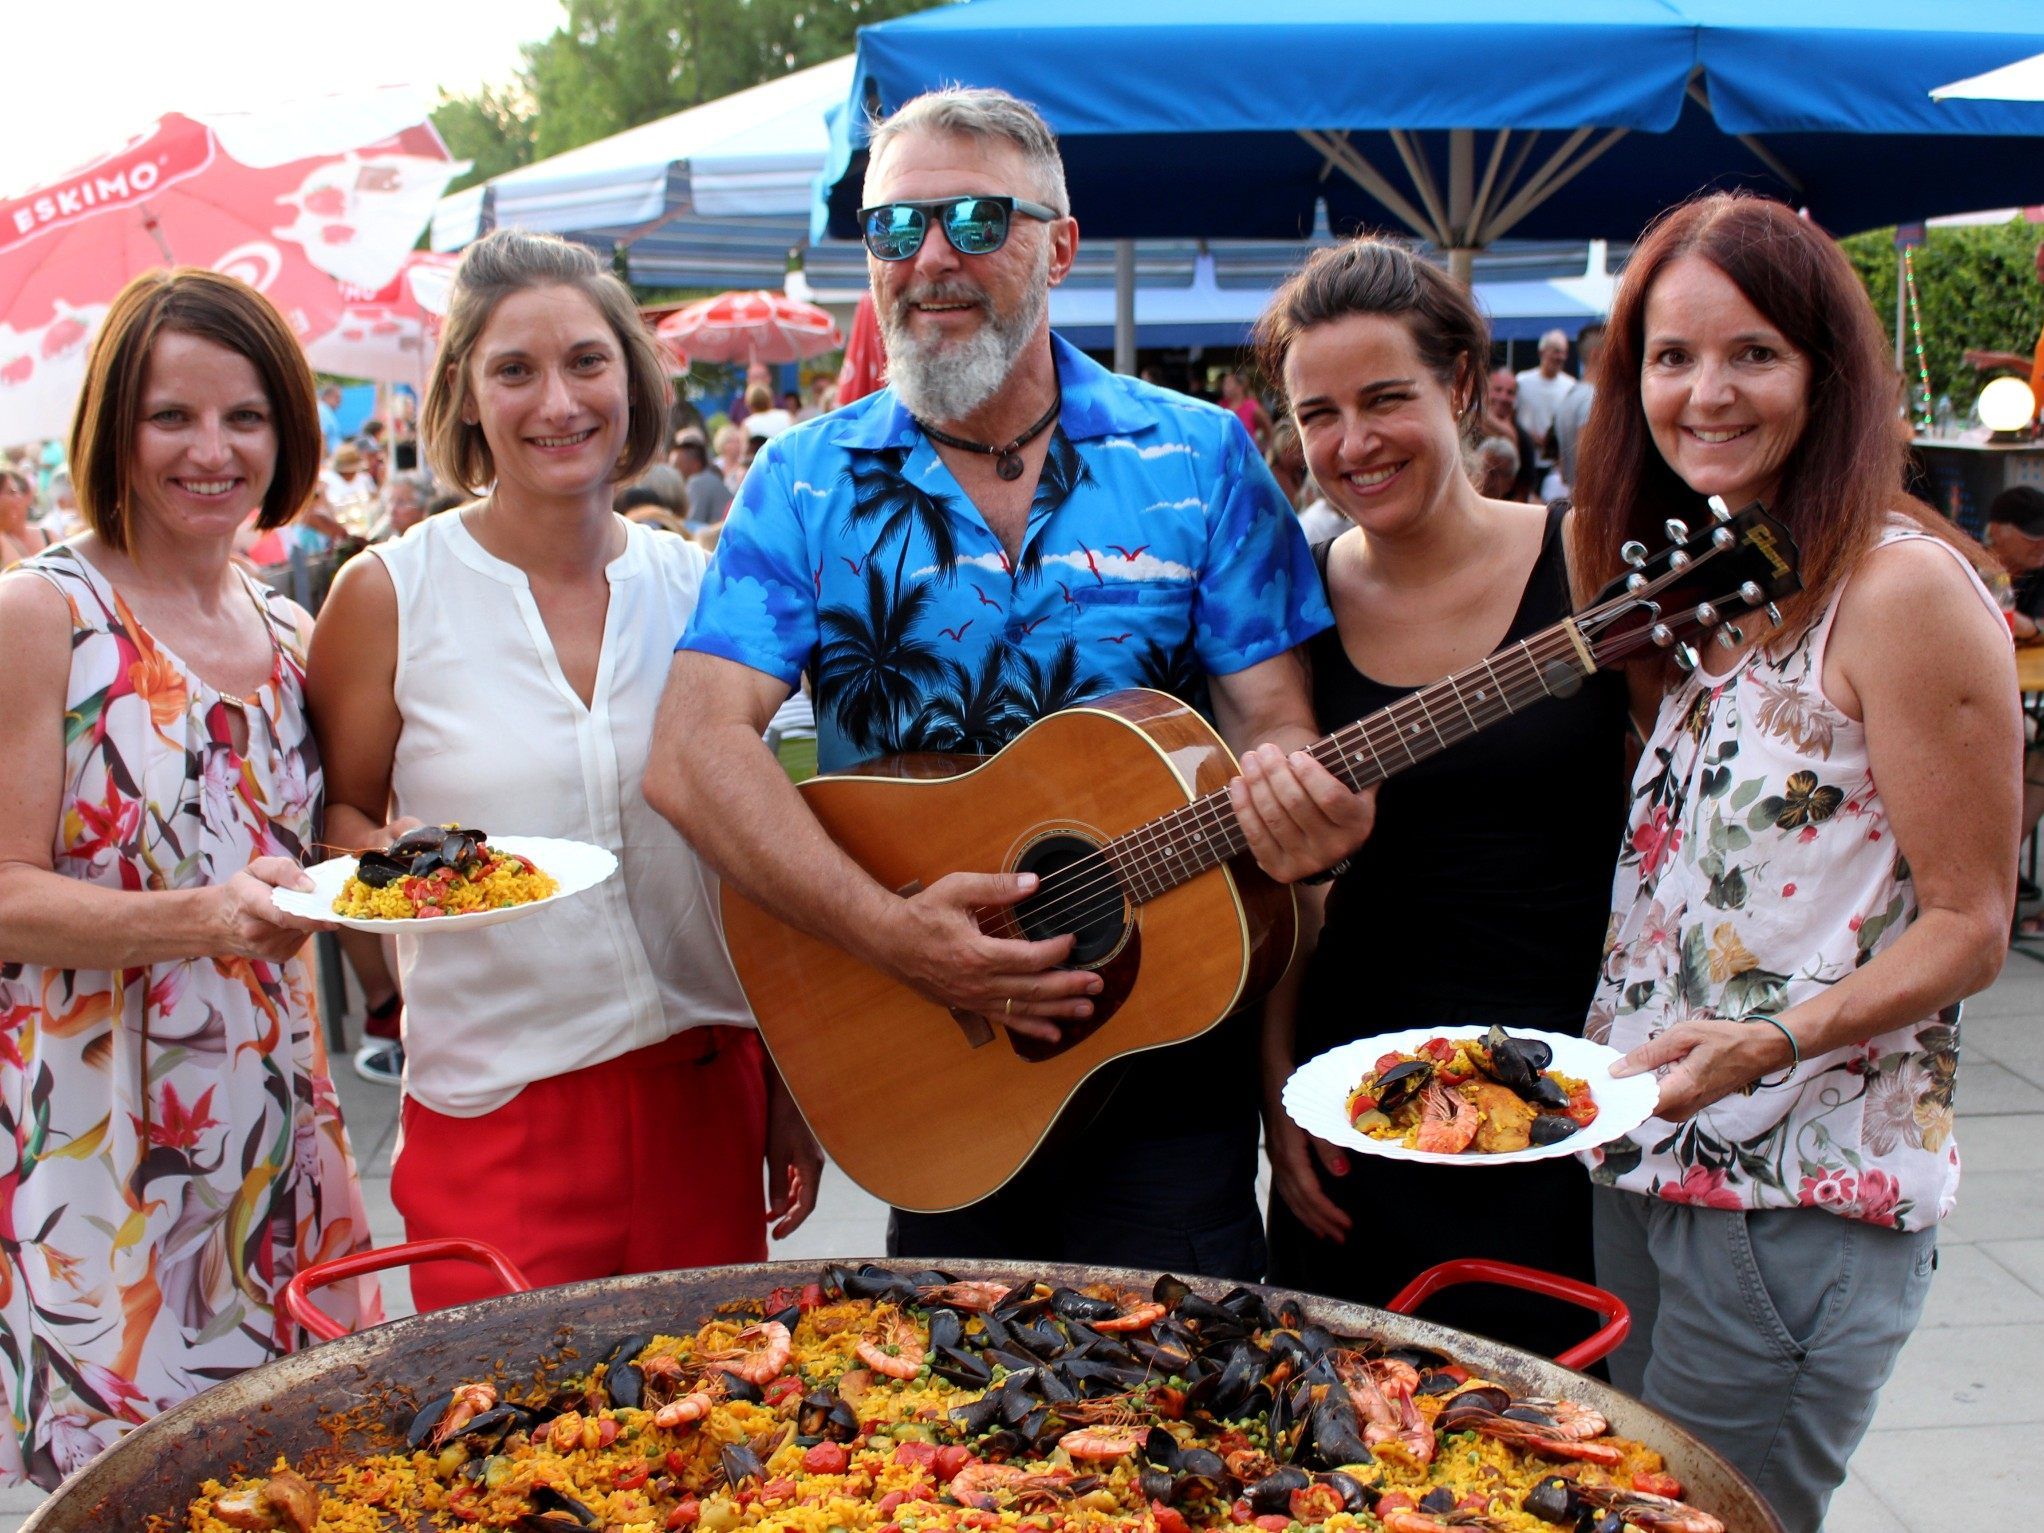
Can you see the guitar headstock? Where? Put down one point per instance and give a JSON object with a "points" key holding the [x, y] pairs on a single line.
{"points": [[1695, 587]]}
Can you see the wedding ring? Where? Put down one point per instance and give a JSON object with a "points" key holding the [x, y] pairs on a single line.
{"points": [[1008, 1007]]}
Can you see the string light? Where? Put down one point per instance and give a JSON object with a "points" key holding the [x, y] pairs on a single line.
{"points": [[1915, 311]]}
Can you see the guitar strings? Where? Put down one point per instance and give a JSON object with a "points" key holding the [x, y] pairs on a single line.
{"points": [[1147, 859]]}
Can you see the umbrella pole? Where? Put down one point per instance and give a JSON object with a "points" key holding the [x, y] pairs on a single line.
{"points": [[1125, 306]]}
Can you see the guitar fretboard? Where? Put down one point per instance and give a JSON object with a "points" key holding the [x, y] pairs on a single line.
{"points": [[1174, 847]]}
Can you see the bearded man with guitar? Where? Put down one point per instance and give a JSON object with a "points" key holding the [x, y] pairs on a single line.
{"points": [[1004, 532]]}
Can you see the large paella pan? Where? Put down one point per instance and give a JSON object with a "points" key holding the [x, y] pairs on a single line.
{"points": [[990, 1398]]}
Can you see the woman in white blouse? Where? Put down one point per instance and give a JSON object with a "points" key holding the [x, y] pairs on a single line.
{"points": [[583, 1087]]}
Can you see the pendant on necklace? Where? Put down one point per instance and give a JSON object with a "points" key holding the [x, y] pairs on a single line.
{"points": [[1009, 465]]}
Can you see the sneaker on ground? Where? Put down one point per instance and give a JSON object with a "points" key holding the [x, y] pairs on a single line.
{"points": [[381, 1060]]}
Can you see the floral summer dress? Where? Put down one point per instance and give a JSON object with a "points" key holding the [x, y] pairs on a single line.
{"points": [[1759, 867], [170, 1148]]}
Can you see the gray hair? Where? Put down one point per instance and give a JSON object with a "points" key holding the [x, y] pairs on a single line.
{"points": [[665, 481], [1558, 337], [977, 112], [418, 482]]}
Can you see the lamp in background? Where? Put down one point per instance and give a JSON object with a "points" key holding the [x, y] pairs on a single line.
{"points": [[2007, 407]]}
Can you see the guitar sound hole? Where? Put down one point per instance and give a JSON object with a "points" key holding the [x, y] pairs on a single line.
{"points": [[1079, 893]]}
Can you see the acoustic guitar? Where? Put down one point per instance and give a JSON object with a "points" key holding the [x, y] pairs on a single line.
{"points": [[1119, 806]]}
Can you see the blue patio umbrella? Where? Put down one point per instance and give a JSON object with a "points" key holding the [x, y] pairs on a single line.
{"points": [[1467, 120]]}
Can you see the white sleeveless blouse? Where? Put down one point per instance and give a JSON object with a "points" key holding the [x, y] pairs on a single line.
{"points": [[1758, 868], [495, 737]]}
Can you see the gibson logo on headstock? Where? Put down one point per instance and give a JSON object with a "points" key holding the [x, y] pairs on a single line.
{"points": [[1762, 538]]}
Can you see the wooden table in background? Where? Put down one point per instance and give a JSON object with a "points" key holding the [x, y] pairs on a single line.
{"points": [[2030, 668]]}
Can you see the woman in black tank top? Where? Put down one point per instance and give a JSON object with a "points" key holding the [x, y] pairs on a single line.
{"points": [[1483, 893]]}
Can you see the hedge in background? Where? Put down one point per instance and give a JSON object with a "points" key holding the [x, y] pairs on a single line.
{"points": [[1978, 287]]}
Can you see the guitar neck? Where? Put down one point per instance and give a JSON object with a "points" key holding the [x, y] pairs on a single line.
{"points": [[1165, 852]]}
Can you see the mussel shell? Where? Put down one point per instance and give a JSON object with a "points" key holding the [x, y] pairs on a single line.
{"points": [[736, 1388], [1421, 1358], [789, 1317], [992, 1332], [1014, 1362], [1070, 1304], [425, 838], [979, 1415], [1168, 1290], [1247, 1305], [873, 1281], [1434, 1382], [1439, 1499], [999, 1447], [1347, 1486], [1530, 1413], [548, 1498], [1203, 1462], [1157, 1484], [960, 1367], [1552, 1128], [1553, 1500], [1208, 1317], [379, 870], [486, 1433], [1288, 1312], [947, 1329], [741, 1464], [1161, 1448], [1337, 1440], [1402, 1081], [1271, 1496], [548, 1522], [1485, 1397], [1517, 1062], [931, 1277], [427, 1418]]}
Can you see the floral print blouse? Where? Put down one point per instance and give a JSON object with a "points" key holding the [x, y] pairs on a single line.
{"points": [[1759, 867], [170, 1148]]}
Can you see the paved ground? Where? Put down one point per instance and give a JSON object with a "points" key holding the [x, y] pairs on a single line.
{"points": [[1958, 1425]]}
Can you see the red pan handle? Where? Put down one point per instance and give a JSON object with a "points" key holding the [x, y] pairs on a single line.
{"points": [[1617, 1318], [321, 1326]]}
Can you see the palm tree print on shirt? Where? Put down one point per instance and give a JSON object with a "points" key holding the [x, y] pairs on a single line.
{"points": [[882, 493], [872, 669]]}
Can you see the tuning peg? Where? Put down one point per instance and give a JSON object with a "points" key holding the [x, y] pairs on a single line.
{"points": [[1750, 593], [1706, 614], [1685, 657], [1677, 560], [1719, 511], [1727, 637], [1661, 634], [1634, 554], [1774, 614], [1636, 581], [1723, 537], [1676, 528]]}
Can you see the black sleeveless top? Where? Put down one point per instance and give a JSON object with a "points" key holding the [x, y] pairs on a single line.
{"points": [[1484, 891]]}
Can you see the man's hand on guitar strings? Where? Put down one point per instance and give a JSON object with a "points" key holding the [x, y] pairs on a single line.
{"points": [[1297, 816], [938, 950]]}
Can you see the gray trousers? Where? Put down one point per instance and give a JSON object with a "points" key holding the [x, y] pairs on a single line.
{"points": [[1767, 1334]]}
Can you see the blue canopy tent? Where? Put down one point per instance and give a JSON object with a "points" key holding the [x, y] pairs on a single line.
{"points": [[1467, 120]]}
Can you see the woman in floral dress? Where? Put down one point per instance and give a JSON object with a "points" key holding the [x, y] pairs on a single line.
{"points": [[170, 1150], [1818, 866]]}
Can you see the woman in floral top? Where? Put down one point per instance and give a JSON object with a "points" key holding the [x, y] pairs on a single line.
{"points": [[1789, 941], [170, 1151]]}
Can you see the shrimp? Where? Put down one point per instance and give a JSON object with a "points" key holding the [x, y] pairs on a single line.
{"points": [[981, 1486], [1136, 1315], [896, 1348], [973, 1297], [1405, 1521], [1381, 1389], [1572, 1419], [1100, 1443], [1651, 1513], [1534, 1438], [758, 1355], [284, 1501], [687, 1409], [1447, 1123], [469, 1402]]}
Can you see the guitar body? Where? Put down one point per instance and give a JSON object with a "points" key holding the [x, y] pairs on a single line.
{"points": [[932, 1110]]}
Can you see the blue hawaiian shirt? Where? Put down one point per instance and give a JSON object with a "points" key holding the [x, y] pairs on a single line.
{"points": [[1158, 551]]}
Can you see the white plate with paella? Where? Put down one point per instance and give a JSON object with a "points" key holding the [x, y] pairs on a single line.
{"points": [[1468, 1096], [442, 878]]}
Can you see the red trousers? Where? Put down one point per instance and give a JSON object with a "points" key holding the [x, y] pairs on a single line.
{"points": [[648, 1162]]}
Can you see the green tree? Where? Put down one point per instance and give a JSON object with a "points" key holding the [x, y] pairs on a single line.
{"points": [[615, 64], [1977, 287], [492, 127]]}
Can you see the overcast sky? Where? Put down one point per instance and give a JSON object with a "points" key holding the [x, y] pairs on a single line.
{"points": [[83, 74]]}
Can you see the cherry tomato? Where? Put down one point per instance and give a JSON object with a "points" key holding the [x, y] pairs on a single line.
{"points": [[1394, 1501], [1274, 1523], [1440, 1049], [1239, 1512], [1168, 1402], [679, 1463], [1386, 1062], [949, 1460], [685, 1512], [1169, 1518], [826, 1458], [606, 1432], [1359, 1104], [887, 1504], [787, 1384], [631, 1477], [1316, 1503], [916, 1455], [1454, 1077]]}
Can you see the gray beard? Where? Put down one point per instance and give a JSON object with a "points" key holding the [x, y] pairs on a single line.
{"points": [[944, 381]]}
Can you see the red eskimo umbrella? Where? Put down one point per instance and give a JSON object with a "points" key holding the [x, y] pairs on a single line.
{"points": [[294, 202], [865, 369], [388, 335], [752, 327]]}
